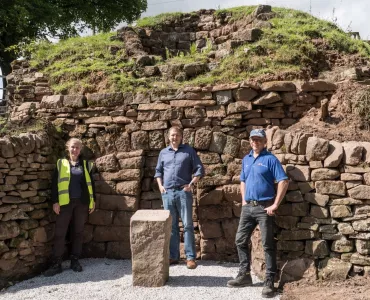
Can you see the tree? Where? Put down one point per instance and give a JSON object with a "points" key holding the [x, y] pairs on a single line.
{"points": [[26, 20]]}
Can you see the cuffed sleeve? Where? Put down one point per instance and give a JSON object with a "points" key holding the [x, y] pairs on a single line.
{"points": [[198, 168], [159, 167]]}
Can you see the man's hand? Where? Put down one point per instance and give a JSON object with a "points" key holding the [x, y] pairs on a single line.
{"points": [[271, 209], [243, 202], [162, 189], [187, 188], [92, 209], [56, 208]]}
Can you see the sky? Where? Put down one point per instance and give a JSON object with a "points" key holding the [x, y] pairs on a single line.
{"points": [[353, 15]]}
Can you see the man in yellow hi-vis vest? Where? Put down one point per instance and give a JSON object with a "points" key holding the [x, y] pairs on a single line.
{"points": [[73, 198]]}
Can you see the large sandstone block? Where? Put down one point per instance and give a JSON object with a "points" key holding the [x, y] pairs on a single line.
{"points": [[334, 269], [298, 173], [297, 269], [331, 187], [335, 155], [324, 174], [352, 153], [360, 192], [316, 149], [150, 243]]}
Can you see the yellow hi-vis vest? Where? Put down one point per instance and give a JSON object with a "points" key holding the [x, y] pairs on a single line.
{"points": [[64, 176]]}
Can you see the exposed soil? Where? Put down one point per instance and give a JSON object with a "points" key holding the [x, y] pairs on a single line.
{"points": [[345, 122], [355, 288]]}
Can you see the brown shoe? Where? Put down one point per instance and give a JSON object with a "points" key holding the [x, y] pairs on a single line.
{"points": [[191, 264], [173, 262]]}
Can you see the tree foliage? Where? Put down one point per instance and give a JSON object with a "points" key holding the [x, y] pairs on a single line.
{"points": [[26, 20]]}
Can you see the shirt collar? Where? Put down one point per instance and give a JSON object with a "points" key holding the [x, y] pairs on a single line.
{"points": [[263, 152], [180, 146]]}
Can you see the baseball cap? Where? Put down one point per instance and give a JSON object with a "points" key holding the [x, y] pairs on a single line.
{"points": [[258, 133]]}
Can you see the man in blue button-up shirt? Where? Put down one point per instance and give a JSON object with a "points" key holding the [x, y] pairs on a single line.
{"points": [[261, 170], [178, 168]]}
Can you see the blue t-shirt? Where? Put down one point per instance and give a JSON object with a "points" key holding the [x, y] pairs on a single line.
{"points": [[260, 175]]}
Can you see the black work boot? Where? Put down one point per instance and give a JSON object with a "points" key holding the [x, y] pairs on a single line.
{"points": [[268, 290], [55, 268], [242, 279], [75, 265]]}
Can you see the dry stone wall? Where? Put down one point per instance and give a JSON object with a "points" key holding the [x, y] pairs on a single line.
{"points": [[26, 222], [321, 225]]}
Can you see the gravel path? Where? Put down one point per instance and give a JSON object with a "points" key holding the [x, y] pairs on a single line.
{"points": [[107, 279]]}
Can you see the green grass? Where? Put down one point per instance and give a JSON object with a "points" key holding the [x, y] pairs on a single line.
{"points": [[78, 65], [158, 20]]}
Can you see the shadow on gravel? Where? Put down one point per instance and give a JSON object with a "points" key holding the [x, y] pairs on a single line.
{"points": [[100, 270], [195, 281]]}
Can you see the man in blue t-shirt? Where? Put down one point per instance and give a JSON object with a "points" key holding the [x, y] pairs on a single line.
{"points": [[261, 170]]}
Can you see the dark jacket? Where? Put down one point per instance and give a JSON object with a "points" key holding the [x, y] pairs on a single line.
{"points": [[85, 198]]}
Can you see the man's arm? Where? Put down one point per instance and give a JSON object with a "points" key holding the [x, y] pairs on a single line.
{"points": [[160, 185], [281, 190], [242, 191], [159, 174]]}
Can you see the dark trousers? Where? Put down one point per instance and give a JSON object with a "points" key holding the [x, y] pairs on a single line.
{"points": [[77, 212], [249, 218]]}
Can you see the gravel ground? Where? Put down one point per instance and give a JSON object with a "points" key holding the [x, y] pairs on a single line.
{"points": [[107, 279]]}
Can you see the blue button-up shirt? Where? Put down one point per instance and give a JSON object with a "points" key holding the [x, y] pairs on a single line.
{"points": [[177, 167], [260, 175]]}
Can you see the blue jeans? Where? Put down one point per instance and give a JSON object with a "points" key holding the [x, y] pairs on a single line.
{"points": [[180, 203], [249, 218]]}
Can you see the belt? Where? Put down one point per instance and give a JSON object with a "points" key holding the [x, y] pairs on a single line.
{"points": [[264, 203], [176, 188]]}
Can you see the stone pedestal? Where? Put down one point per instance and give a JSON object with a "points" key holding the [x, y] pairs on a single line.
{"points": [[150, 245]]}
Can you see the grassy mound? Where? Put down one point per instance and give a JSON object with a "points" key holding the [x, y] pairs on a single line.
{"points": [[294, 43]]}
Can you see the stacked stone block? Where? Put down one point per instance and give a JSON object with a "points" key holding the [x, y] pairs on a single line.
{"points": [[26, 226]]}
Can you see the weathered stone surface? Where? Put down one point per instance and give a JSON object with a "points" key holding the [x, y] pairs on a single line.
{"points": [[54, 101], [286, 222], [342, 246], [74, 101], [333, 269], [319, 212], [245, 94], [278, 86], [340, 211], [334, 156], [232, 146], [361, 225], [297, 269], [140, 140], [317, 248], [318, 86], [290, 246], [107, 163], [331, 187], [210, 229], [316, 149], [352, 153], [318, 199], [125, 174], [359, 259], [9, 230], [150, 239], [237, 107], [298, 173], [345, 228], [350, 177], [214, 197], [267, 98], [118, 202], [202, 139], [324, 174], [297, 235], [294, 196], [360, 192], [363, 247], [104, 99]]}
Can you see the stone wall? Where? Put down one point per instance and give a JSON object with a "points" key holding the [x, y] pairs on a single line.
{"points": [[322, 223], [26, 227]]}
